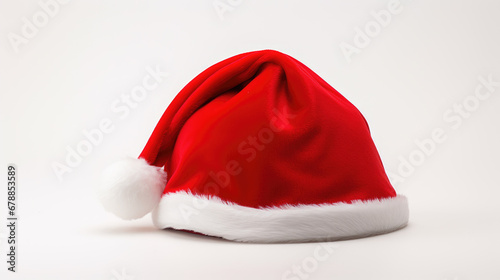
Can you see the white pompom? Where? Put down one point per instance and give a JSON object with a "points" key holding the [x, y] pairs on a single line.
{"points": [[131, 188]]}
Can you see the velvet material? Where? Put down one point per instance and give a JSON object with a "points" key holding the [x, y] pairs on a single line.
{"points": [[261, 129]]}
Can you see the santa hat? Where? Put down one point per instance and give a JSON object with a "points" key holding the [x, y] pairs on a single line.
{"points": [[259, 148]]}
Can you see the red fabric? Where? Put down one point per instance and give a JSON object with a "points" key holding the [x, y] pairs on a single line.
{"points": [[261, 129]]}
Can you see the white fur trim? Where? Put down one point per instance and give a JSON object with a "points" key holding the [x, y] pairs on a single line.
{"points": [[212, 216], [131, 188]]}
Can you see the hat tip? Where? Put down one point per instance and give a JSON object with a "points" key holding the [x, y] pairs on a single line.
{"points": [[131, 188]]}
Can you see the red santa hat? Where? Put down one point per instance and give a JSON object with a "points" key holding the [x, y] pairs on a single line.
{"points": [[259, 148]]}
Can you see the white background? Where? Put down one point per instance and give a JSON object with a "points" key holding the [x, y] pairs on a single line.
{"points": [[66, 77]]}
